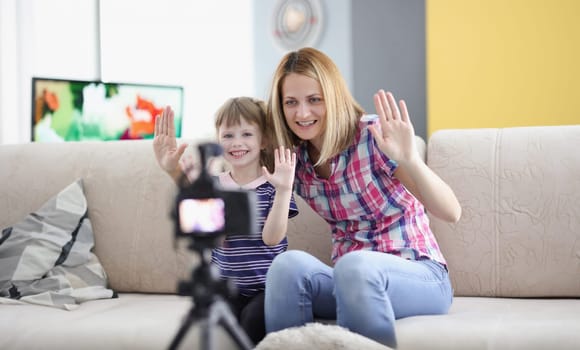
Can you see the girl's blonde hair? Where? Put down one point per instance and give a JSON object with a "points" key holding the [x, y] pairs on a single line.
{"points": [[342, 110], [253, 111]]}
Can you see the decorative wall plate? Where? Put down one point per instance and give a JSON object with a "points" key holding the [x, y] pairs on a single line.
{"points": [[297, 23]]}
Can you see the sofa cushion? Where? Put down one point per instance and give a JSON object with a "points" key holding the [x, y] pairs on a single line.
{"points": [[47, 258], [131, 321], [495, 324]]}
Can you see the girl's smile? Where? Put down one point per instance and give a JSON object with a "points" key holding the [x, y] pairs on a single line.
{"points": [[242, 144]]}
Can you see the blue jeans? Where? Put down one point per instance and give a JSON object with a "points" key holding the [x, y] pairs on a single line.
{"points": [[365, 292]]}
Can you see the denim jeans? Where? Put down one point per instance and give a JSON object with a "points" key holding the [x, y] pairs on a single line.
{"points": [[365, 292]]}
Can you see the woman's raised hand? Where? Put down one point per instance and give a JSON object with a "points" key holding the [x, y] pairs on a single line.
{"points": [[165, 144], [396, 136], [284, 167]]}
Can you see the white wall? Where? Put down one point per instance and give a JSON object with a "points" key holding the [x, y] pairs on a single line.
{"points": [[8, 72], [335, 40], [205, 46]]}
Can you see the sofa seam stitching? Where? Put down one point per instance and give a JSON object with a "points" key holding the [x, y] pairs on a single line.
{"points": [[496, 194]]}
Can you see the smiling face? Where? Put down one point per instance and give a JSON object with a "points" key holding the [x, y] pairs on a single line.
{"points": [[304, 107], [241, 143]]}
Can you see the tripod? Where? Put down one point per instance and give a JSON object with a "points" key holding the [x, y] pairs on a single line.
{"points": [[209, 306]]}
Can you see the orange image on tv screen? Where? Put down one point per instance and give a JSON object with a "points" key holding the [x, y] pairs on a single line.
{"points": [[141, 119]]}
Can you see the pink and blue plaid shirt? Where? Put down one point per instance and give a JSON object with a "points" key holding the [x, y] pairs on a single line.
{"points": [[366, 207]]}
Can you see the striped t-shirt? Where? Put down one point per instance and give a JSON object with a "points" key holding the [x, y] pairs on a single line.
{"points": [[245, 259], [365, 205]]}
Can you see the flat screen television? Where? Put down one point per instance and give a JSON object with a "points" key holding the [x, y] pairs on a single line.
{"points": [[77, 110]]}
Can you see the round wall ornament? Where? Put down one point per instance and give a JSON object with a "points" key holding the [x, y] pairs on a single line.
{"points": [[297, 23]]}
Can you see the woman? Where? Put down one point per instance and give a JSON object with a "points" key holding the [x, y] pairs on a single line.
{"points": [[364, 176]]}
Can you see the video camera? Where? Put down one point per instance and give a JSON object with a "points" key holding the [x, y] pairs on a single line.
{"points": [[205, 211]]}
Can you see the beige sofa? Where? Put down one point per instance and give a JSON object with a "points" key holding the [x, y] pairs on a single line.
{"points": [[514, 256]]}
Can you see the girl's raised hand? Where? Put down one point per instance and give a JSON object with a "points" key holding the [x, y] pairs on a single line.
{"points": [[396, 136], [284, 167], [165, 146]]}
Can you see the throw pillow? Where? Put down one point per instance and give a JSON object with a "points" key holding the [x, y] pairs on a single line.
{"points": [[47, 257]]}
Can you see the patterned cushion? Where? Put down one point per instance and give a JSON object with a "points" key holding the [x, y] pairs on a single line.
{"points": [[47, 257]]}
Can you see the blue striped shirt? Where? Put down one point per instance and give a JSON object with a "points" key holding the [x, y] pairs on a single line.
{"points": [[245, 259]]}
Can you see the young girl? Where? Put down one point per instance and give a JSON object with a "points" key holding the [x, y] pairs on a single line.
{"points": [[245, 259], [364, 176]]}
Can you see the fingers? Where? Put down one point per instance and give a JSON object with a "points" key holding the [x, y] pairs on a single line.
{"points": [[386, 105], [404, 111], [170, 122], [158, 121], [164, 124], [382, 105], [279, 155], [291, 157], [164, 117], [395, 114], [284, 155]]}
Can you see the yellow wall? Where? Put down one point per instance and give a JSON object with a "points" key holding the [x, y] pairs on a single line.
{"points": [[502, 63]]}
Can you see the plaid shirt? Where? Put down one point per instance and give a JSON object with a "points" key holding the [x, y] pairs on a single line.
{"points": [[366, 207]]}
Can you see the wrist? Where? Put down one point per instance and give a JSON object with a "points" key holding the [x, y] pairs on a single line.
{"points": [[411, 163], [176, 173], [284, 191]]}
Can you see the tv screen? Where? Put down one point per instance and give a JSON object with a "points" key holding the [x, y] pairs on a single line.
{"points": [[76, 110]]}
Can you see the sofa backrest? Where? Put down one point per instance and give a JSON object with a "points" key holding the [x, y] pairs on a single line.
{"points": [[519, 233], [129, 200]]}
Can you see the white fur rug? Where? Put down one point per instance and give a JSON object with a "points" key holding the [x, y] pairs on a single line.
{"points": [[318, 336]]}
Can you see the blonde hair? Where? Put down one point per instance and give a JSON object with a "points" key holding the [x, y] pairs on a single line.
{"points": [[342, 110], [253, 111]]}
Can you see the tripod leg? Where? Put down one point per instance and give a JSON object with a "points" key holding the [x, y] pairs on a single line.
{"points": [[206, 340], [220, 313], [182, 331]]}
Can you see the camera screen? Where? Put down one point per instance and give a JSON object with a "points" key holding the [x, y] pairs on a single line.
{"points": [[205, 215]]}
